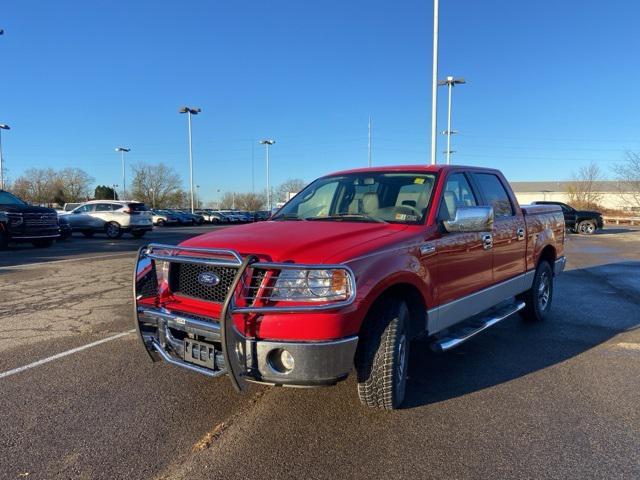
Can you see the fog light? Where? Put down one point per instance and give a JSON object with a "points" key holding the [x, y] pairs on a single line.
{"points": [[281, 360]]}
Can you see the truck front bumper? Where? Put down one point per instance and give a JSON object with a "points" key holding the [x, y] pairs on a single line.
{"points": [[168, 336], [214, 346]]}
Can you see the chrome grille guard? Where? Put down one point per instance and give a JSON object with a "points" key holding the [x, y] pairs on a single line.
{"points": [[145, 285]]}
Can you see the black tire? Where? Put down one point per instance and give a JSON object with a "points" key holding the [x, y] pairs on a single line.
{"points": [[138, 234], [160, 223], [587, 227], [45, 243], [113, 230], [382, 357], [538, 298], [88, 233], [4, 239]]}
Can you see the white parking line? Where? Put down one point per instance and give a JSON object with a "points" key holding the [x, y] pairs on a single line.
{"points": [[64, 354]]}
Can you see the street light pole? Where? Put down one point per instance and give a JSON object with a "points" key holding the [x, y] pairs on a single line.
{"points": [[2, 127], [434, 85], [122, 151], [369, 141], [113, 187], [267, 143], [190, 111], [450, 82]]}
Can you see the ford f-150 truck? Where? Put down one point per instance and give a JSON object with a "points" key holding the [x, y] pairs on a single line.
{"points": [[21, 222], [346, 275]]}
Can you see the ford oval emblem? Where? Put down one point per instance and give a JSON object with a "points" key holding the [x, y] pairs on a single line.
{"points": [[208, 279]]}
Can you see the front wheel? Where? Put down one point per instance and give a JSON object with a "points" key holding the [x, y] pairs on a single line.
{"points": [[4, 239], [382, 358], [160, 223], [538, 298], [587, 227], [113, 230]]}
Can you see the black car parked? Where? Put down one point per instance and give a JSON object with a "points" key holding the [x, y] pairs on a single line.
{"points": [[21, 222], [579, 221]]}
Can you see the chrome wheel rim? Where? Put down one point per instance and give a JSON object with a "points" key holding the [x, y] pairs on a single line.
{"points": [[587, 228], [544, 291], [401, 368]]}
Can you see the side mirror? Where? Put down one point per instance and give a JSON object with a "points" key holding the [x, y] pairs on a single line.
{"points": [[471, 219]]}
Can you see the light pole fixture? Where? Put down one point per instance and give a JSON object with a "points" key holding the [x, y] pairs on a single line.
{"points": [[2, 127], [369, 142], [450, 82], [153, 197], [434, 85], [198, 197], [267, 142], [122, 151], [190, 111], [113, 187]]}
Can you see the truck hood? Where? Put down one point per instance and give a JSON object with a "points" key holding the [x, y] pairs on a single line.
{"points": [[24, 209], [297, 241]]}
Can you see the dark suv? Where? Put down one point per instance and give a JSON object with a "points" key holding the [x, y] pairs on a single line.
{"points": [[21, 222], [579, 221]]}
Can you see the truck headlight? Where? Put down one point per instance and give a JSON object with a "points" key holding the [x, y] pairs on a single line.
{"points": [[314, 285]]}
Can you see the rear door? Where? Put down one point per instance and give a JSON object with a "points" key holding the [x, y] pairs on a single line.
{"points": [[509, 231]]}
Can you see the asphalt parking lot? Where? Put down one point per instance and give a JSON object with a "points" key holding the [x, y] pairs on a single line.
{"points": [[553, 400]]}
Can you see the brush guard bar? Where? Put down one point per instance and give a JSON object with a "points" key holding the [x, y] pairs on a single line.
{"points": [[222, 330]]}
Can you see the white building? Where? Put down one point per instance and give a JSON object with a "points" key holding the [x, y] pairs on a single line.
{"points": [[611, 196]]}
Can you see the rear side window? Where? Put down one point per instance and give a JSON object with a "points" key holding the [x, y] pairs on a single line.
{"points": [[495, 194], [104, 207], [457, 193], [138, 207]]}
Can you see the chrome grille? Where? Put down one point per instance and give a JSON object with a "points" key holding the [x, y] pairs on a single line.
{"points": [[184, 280], [40, 219]]}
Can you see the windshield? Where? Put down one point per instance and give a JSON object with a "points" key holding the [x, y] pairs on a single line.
{"points": [[363, 197], [7, 198]]}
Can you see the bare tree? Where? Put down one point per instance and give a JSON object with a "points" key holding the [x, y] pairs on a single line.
{"points": [[250, 201], [38, 185], [582, 189], [76, 184], [157, 185], [228, 200], [293, 185], [628, 176]]}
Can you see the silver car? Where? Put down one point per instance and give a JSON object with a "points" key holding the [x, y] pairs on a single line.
{"points": [[111, 217]]}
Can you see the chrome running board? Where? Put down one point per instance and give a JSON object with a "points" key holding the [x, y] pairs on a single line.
{"points": [[466, 331]]}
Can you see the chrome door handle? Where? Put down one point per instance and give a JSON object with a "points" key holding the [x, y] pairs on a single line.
{"points": [[520, 233], [427, 249], [487, 241]]}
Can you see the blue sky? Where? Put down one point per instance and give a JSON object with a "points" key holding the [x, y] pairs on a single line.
{"points": [[551, 85]]}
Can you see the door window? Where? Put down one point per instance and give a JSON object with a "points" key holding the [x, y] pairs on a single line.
{"points": [[457, 193], [104, 207], [84, 208], [495, 194]]}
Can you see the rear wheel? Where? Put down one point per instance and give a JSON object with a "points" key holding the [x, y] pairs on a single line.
{"points": [[382, 358], [538, 298], [45, 243], [587, 227], [113, 230]]}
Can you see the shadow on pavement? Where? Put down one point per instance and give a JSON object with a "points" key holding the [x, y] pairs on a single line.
{"points": [[515, 348]]}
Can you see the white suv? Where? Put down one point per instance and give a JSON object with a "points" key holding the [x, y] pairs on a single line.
{"points": [[111, 217]]}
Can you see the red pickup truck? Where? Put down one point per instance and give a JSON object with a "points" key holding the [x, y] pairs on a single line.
{"points": [[346, 274]]}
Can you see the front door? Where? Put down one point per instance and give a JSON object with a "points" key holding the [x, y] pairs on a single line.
{"points": [[464, 263]]}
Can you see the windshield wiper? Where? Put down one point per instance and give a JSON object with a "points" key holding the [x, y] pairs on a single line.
{"points": [[289, 216], [342, 216]]}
